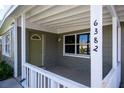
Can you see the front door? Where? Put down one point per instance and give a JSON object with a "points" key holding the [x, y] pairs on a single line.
{"points": [[35, 51]]}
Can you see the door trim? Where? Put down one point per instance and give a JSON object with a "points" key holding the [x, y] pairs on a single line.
{"points": [[43, 49]]}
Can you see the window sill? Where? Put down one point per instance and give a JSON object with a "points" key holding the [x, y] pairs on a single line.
{"points": [[80, 56]]}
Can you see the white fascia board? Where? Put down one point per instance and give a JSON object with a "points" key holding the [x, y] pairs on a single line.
{"points": [[10, 10]]}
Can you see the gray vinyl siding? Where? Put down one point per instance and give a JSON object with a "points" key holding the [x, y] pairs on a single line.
{"points": [[53, 51], [72, 62], [122, 53], [107, 49], [19, 50], [50, 47], [84, 63], [10, 59]]}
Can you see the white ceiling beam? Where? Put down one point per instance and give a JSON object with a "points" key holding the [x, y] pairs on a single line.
{"points": [[82, 10], [52, 11], [119, 8], [79, 24], [71, 24], [39, 27], [82, 19], [120, 13], [113, 12], [72, 28], [74, 11], [121, 18], [22, 9], [59, 18], [38, 9]]}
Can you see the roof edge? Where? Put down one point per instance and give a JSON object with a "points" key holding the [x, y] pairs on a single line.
{"points": [[8, 12]]}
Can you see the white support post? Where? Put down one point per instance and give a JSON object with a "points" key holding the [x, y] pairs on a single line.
{"points": [[119, 44], [119, 59], [15, 49], [23, 44], [96, 45], [114, 42], [115, 48], [116, 45]]}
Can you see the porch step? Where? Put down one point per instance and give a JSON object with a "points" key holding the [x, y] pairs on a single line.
{"points": [[22, 80]]}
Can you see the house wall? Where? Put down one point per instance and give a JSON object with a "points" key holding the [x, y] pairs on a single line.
{"points": [[84, 63], [72, 62], [50, 47], [107, 49], [19, 50], [122, 53], [10, 59], [53, 51]]}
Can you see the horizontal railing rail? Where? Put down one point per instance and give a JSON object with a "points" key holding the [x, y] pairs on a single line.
{"points": [[36, 77]]}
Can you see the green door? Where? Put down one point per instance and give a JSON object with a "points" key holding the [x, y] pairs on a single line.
{"points": [[35, 51]]}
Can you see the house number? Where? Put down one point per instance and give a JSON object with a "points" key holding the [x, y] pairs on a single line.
{"points": [[95, 38]]}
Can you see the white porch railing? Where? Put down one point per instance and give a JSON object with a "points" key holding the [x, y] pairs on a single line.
{"points": [[36, 77], [112, 80]]}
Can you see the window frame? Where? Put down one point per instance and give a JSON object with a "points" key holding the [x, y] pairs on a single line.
{"points": [[74, 54], [5, 44], [69, 44]]}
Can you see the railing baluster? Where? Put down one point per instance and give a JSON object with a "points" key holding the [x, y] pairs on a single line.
{"points": [[44, 82], [38, 80], [54, 84], [26, 76], [32, 79], [58, 85], [49, 82], [41, 81], [37, 77], [29, 77]]}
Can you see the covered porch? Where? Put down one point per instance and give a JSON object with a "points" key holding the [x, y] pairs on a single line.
{"points": [[55, 66]]}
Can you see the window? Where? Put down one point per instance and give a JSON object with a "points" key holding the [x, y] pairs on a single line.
{"points": [[70, 44], [77, 45], [7, 43], [83, 44], [35, 37]]}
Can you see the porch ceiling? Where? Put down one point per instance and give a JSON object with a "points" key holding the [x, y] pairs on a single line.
{"points": [[64, 18]]}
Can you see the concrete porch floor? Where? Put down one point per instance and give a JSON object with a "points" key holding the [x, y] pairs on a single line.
{"points": [[10, 83], [80, 76]]}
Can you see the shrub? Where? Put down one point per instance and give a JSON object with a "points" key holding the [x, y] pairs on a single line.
{"points": [[6, 71]]}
